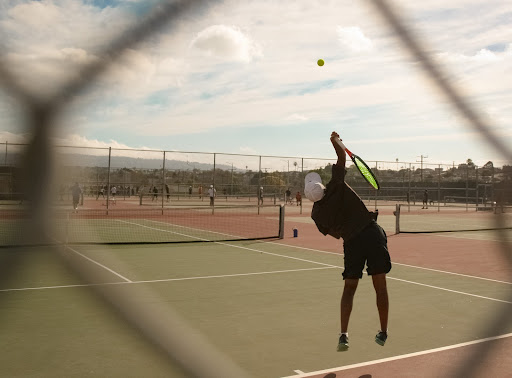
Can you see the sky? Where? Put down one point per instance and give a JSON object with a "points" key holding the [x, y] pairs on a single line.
{"points": [[242, 77]]}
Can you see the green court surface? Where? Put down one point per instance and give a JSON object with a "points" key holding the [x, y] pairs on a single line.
{"points": [[271, 308]]}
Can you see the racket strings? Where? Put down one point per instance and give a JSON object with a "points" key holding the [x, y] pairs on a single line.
{"points": [[366, 172]]}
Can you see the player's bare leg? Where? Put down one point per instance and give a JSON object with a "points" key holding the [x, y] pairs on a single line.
{"points": [[381, 291], [347, 300]]}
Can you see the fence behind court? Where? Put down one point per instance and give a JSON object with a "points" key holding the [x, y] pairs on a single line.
{"points": [[161, 178]]}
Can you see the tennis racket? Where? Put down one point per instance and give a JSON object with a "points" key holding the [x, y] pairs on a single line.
{"points": [[365, 171]]}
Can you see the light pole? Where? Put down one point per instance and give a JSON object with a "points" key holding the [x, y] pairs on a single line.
{"points": [[421, 169]]}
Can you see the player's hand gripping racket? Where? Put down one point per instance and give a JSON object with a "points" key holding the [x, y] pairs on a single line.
{"points": [[361, 165]]}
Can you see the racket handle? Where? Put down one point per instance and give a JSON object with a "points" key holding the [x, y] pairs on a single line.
{"points": [[340, 143]]}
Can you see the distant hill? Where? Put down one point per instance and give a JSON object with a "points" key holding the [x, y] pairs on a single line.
{"points": [[79, 160]]}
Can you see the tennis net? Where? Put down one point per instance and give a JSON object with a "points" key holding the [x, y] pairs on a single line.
{"points": [[147, 226], [450, 220]]}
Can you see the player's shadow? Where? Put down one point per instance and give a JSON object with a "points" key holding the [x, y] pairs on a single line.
{"points": [[332, 375]]}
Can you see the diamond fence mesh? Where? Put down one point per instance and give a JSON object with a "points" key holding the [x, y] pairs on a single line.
{"points": [[40, 175]]}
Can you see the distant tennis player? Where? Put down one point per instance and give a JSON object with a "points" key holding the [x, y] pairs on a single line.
{"points": [[338, 211], [212, 194], [260, 195], [75, 193]]}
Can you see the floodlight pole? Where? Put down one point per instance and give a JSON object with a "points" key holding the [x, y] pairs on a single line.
{"points": [[421, 170]]}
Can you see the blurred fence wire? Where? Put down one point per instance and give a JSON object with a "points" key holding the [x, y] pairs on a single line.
{"points": [[163, 328], [441, 79]]}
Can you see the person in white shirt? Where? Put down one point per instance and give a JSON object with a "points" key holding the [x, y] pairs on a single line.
{"points": [[211, 192]]}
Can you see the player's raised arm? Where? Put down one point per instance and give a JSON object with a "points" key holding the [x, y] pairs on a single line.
{"points": [[342, 156]]}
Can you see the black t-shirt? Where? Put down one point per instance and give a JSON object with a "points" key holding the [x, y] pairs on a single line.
{"points": [[341, 212]]}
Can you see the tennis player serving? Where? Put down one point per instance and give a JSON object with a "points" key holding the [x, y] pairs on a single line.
{"points": [[338, 211]]}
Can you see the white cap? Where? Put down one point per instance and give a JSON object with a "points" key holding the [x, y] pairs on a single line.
{"points": [[314, 190], [211, 186]]}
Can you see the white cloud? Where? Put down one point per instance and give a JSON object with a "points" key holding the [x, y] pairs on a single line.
{"points": [[133, 67], [482, 56], [167, 86], [297, 117], [226, 42], [353, 39], [35, 15]]}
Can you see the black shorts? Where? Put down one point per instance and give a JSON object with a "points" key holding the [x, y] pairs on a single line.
{"points": [[369, 247]]}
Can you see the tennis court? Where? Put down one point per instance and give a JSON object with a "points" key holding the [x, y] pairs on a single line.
{"points": [[271, 306]]}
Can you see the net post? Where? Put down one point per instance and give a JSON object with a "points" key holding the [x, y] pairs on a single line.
{"points": [[467, 187], [397, 218], [476, 188], [281, 221]]}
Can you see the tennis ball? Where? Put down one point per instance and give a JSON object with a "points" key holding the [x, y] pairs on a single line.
{"points": [[320, 62]]}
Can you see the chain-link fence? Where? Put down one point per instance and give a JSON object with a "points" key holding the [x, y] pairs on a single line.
{"points": [[28, 172], [164, 178]]}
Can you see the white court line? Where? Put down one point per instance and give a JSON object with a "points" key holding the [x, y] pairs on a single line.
{"points": [[395, 358], [453, 273], [337, 254], [329, 265], [451, 291], [395, 263], [236, 246], [65, 286], [273, 254], [326, 266], [235, 275], [168, 279], [97, 263], [472, 237], [299, 247]]}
